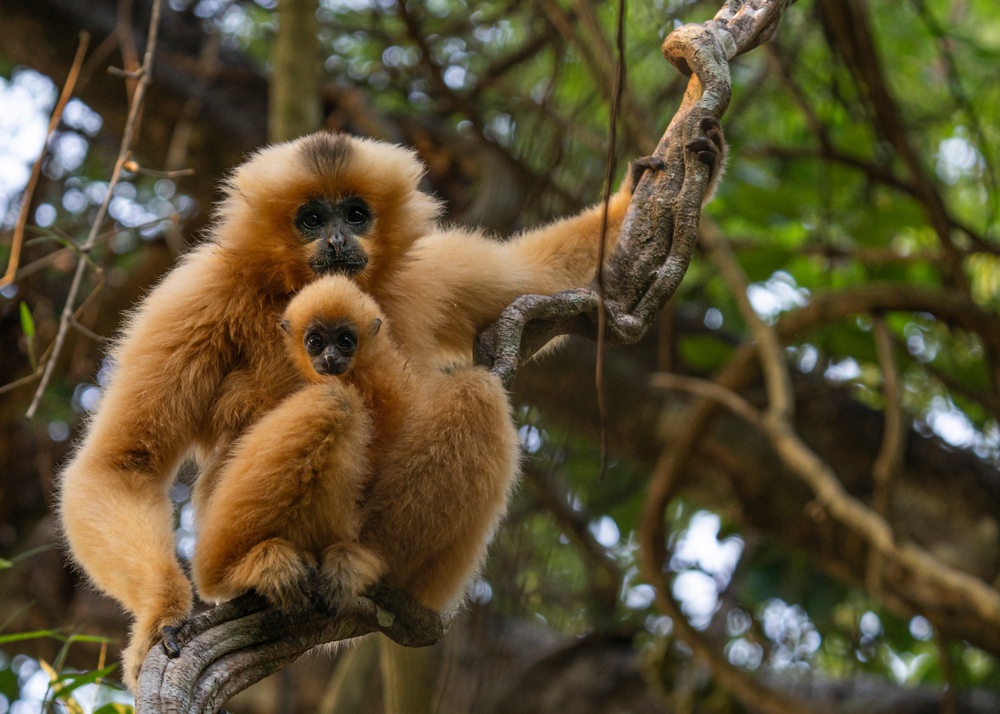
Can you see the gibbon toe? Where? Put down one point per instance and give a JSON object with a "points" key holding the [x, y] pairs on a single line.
{"points": [[169, 636], [640, 166], [711, 144]]}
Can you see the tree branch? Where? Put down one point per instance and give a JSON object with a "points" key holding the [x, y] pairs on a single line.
{"points": [[962, 589], [225, 650], [658, 232]]}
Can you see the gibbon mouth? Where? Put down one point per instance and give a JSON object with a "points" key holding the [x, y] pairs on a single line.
{"points": [[343, 267]]}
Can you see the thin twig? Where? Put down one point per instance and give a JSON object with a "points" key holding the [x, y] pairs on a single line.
{"points": [[949, 700], [87, 331], [29, 190], [710, 390], [889, 462], [133, 166], [123, 152], [609, 170]]}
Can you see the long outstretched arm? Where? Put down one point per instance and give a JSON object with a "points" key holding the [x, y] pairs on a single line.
{"points": [[114, 503], [463, 281]]}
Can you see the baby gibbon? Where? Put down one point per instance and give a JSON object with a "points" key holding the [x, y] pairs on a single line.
{"points": [[284, 516], [202, 358], [443, 454]]}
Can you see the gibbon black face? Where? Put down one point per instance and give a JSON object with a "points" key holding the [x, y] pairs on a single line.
{"points": [[335, 227], [331, 347]]}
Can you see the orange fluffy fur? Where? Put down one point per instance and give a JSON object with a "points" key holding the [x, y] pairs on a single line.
{"points": [[202, 358], [443, 455]]}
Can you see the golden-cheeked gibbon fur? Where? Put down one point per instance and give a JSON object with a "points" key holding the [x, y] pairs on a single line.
{"points": [[381, 465], [203, 357]]}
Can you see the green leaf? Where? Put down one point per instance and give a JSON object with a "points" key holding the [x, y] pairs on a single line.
{"points": [[21, 636], [115, 708], [94, 638], [5, 564], [27, 323], [80, 680]]}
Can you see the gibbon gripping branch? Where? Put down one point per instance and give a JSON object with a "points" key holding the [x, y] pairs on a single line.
{"points": [[227, 649]]}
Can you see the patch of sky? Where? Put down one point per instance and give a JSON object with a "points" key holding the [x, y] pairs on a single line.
{"points": [[705, 565], [777, 294]]}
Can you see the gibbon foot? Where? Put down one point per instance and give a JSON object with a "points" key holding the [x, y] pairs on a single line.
{"points": [[170, 646], [639, 167], [149, 630], [275, 570], [346, 570], [712, 145]]}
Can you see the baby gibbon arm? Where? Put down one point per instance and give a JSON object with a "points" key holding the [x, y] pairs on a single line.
{"points": [[114, 503]]}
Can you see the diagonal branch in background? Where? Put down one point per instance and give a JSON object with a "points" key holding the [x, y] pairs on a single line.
{"points": [[36, 170], [658, 233], [145, 76], [654, 557], [964, 590]]}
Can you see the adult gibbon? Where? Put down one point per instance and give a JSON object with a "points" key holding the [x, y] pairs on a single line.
{"points": [[203, 356], [286, 517]]}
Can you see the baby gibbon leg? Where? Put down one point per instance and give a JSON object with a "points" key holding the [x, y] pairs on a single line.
{"points": [[345, 571], [289, 489]]}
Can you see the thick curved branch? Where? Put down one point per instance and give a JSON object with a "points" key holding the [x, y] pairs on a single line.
{"points": [[225, 650], [659, 230]]}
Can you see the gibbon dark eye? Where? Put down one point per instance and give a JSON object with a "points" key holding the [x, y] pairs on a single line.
{"points": [[314, 342], [356, 216], [347, 342], [312, 220]]}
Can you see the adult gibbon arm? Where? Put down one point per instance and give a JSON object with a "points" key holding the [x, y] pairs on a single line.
{"points": [[114, 506], [464, 280]]}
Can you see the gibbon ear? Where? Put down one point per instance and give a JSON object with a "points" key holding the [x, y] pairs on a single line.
{"points": [[376, 325], [286, 327]]}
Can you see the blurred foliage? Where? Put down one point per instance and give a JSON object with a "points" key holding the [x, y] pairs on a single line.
{"points": [[801, 225]]}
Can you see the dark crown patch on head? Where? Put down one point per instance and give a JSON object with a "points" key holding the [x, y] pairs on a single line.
{"points": [[326, 154]]}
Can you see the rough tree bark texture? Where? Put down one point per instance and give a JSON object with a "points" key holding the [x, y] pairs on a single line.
{"points": [[659, 231], [236, 644]]}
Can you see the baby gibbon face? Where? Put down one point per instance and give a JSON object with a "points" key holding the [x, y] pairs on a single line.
{"points": [[326, 204], [331, 346], [330, 326]]}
